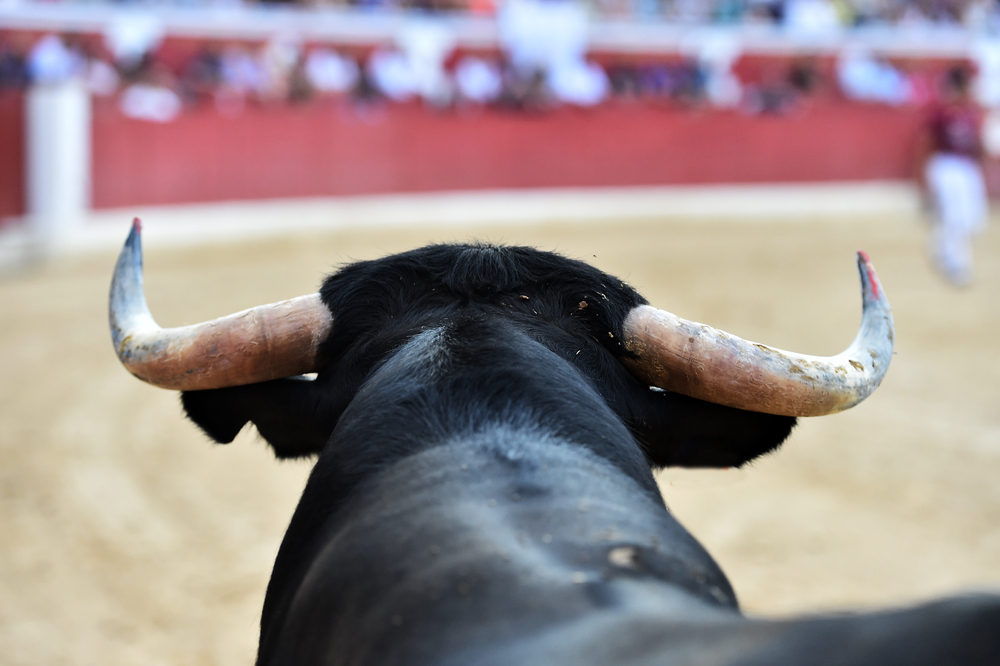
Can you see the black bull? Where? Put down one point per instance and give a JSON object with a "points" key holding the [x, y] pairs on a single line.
{"points": [[483, 491]]}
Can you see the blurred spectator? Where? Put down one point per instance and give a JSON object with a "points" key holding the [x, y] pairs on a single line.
{"points": [[773, 94], [582, 83], [201, 76], [478, 80], [810, 17], [58, 58], [391, 74], [149, 93], [524, 89], [277, 62], [148, 101], [482, 7], [13, 71], [682, 81], [130, 36], [864, 77], [416, 68], [949, 171], [689, 11], [765, 11], [329, 72], [804, 77], [430, 6], [729, 11], [240, 76], [427, 45], [300, 89], [982, 16], [101, 77], [546, 43], [365, 95], [617, 9], [716, 57], [912, 15], [624, 80], [786, 87], [51, 60]]}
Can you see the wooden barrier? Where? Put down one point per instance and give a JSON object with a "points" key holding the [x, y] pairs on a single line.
{"points": [[336, 149], [326, 149]]}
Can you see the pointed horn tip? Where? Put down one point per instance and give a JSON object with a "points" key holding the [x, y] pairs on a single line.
{"points": [[870, 283], [135, 233], [126, 281]]}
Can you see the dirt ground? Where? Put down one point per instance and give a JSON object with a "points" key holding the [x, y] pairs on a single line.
{"points": [[126, 538]]}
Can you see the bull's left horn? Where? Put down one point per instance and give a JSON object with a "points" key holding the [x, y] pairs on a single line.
{"points": [[259, 344], [702, 362]]}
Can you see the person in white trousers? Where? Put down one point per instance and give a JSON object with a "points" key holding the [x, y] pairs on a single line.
{"points": [[952, 177]]}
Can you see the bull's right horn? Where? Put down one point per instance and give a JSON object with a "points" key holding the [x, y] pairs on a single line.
{"points": [[262, 343], [697, 360]]}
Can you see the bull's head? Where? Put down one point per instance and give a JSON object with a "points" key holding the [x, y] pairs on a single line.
{"points": [[284, 339]]}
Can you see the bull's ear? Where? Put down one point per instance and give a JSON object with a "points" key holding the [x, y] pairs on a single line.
{"points": [[285, 412], [679, 431]]}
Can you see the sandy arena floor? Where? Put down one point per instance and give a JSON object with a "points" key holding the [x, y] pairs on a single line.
{"points": [[126, 538]]}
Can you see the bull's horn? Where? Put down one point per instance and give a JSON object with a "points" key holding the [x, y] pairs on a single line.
{"points": [[262, 343], [702, 362]]}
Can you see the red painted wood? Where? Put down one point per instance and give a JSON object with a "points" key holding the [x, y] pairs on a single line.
{"points": [[330, 149]]}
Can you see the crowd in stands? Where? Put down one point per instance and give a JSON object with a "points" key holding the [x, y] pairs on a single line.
{"points": [[806, 13], [233, 76], [542, 62]]}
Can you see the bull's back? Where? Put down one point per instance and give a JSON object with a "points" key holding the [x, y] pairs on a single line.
{"points": [[485, 541]]}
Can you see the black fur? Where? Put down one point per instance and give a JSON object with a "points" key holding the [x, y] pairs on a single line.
{"points": [[381, 304], [483, 492]]}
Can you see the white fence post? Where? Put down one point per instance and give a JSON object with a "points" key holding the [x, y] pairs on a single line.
{"points": [[57, 147]]}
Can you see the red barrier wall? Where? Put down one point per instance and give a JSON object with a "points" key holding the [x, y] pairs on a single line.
{"points": [[328, 149], [11, 154]]}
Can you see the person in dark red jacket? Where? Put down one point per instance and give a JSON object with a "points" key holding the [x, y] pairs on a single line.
{"points": [[951, 176]]}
